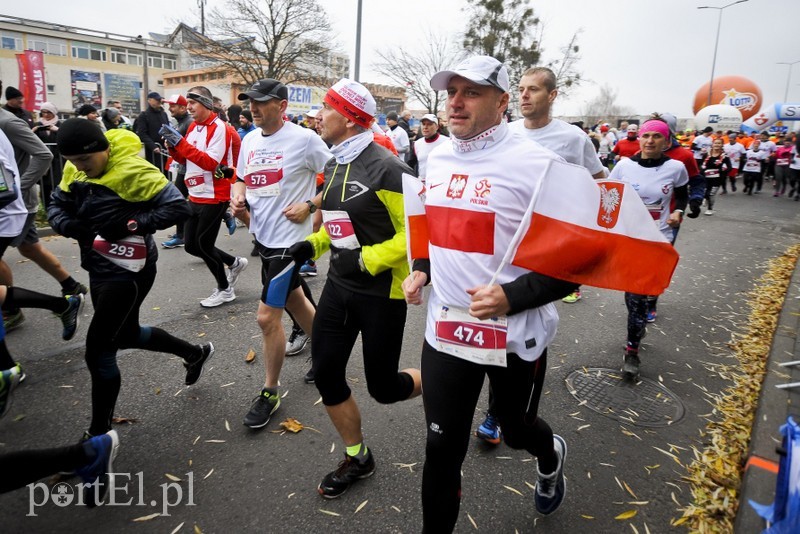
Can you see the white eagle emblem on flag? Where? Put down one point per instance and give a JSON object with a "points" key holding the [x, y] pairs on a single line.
{"points": [[610, 201]]}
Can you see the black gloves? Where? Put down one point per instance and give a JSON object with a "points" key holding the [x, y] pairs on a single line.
{"points": [[223, 171], [78, 230], [348, 262], [114, 231], [694, 209], [301, 252]]}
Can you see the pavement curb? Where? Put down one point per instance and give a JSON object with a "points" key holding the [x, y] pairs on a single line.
{"points": [[758, 481]]}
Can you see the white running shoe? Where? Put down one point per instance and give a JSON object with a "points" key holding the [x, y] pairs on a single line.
{"points": [[709, 212], [296, 343], [218, 298], [235, 270]]}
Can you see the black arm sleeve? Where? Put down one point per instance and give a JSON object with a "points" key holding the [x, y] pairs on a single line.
{"points": [[681, 195], [532, 290], [424, 266]]}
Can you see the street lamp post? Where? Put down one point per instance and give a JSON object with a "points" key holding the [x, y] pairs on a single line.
{"points": [[788, 77], [716, 43], [357, 71]]}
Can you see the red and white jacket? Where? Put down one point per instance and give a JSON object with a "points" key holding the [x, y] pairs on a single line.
{"points": [[207, 145]]}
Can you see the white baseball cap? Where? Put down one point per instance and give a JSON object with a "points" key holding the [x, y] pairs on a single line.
{"points": [[430, 117], [483, 70]]}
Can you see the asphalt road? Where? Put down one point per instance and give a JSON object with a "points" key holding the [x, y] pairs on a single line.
{"points": [[265, 481]]}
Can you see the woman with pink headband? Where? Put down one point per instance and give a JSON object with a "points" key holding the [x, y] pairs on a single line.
{"points": [[662, 185]]}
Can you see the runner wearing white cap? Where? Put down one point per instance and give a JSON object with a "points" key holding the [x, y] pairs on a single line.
{"points": [[431, 138]]}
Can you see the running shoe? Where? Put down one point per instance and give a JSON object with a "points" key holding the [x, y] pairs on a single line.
{"points": [[235, 270], [310, 377], [12, 321], [71, 318], [79, 289], [218, 298], [630, 365], [572, 298], [309, 268], [173, 242], [350, 470], [230, 222], [297, 342], [21, 371], [551, 489], [262, 409], [195, 369], [709, 212], [9, 379], [95, 474], [651, 316], [489, 431]]}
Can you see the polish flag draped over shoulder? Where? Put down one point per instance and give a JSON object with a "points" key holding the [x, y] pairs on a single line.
{"points": [[417, 236], [595, 233]]}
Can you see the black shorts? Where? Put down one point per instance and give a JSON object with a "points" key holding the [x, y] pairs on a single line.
{"points": [[280, 275]]}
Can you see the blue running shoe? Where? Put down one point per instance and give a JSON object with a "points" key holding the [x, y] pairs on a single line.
{"points": [[173, 242], [95, 474], [230, 222], [489, 431], [551, 489], [309, 268], [651, 316]]}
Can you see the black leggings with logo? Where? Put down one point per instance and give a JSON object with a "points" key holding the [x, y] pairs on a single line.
{"points": [[450, 390]]}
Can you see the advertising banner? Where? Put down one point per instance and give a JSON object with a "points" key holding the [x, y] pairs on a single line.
{"points": [[86, 89]]}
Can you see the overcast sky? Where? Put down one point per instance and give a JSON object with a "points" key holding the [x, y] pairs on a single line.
{"points": [[655, 54]]}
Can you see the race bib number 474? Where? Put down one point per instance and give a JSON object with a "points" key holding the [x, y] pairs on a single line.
{"points": [[476, 340]]}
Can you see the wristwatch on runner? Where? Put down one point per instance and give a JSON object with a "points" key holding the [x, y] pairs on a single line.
{"points": [[311, 206], [132, 225]]}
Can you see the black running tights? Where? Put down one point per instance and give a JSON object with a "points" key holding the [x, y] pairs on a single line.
{"points": [[200, 235]]}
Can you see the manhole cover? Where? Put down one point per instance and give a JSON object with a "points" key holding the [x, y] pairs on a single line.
{"points": [[642, 403]]}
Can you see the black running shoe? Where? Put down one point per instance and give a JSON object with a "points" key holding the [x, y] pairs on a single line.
{"points": [[72, 316], [630, 365], [79, 289], [350, 470], [195, 369], [261, 410]]}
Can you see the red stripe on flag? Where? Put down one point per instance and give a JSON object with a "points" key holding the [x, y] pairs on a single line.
{"points": [[596, 258], [418, 236], [462, 230]]}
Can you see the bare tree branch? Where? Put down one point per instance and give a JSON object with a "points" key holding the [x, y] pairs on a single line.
{"points": [[288, 40], [604, 106], [414, 69]]}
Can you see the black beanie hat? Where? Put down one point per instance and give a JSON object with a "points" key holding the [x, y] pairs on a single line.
{"points": [[12, 92], [79, 136], [85, 109]]}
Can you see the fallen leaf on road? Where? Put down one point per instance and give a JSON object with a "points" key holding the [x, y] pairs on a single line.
{"points": [[626, 515], [333, 446], [228, 384], [156, 308], [178, 528], [290, 495], [208, 474], [395, 508], [20, 417], [329, 512], [318, 401], [587, 516], [172, 477], [146, 517], [197, 530], [250, 357], [227, 425], [628, 488], [201, 334], [292, 425], [122, 420], [583, 427], [215, 441], [509, 488], [196, 440], [360, 506], [474, 524]]}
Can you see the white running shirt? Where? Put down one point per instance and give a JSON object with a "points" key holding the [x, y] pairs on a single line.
{"points": [[566, 140], [423, 148], [280, 170]]}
